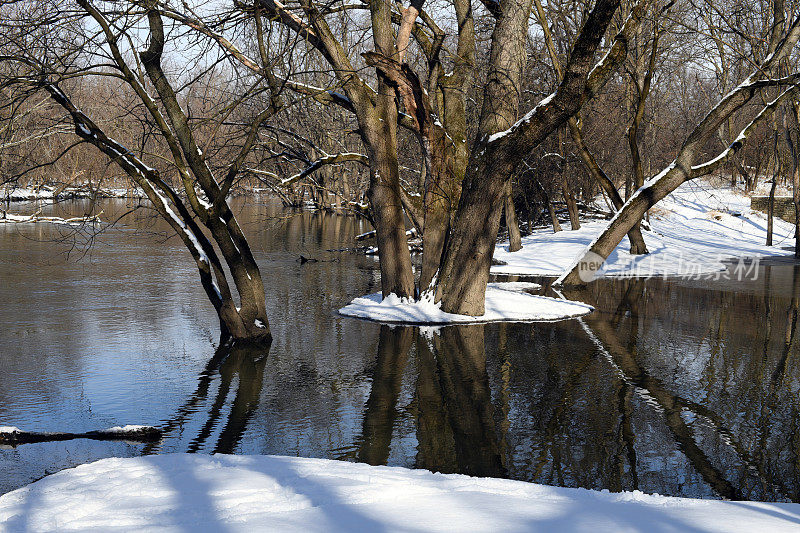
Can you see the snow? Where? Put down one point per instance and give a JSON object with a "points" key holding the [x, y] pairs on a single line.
{"points": [[130, 428], [504, 302], [17, 194], [9, 218], [9, 429], [189, 234], [524, 120], [190, 492], [694, 231]]}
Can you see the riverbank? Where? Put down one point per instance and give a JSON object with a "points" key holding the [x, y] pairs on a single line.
{"points": [[184, 492], [694, 231]]}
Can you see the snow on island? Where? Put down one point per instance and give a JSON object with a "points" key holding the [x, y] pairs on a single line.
{"points": [[504, 302], [190, 492], [693, 231]]}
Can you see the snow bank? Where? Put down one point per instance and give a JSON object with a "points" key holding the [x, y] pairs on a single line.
{"points": [[504, 302], [694, 230], [186, 492]]}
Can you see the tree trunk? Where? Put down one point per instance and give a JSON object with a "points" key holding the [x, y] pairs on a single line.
{"points": [[549, 206], [572, 206], [635, 237], [771, 210], [512, 223], [387, 210], [501, 140], [465, 270], [566, 190]]}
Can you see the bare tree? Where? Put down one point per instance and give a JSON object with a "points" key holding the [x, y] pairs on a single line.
{"points": [[98, 40]]}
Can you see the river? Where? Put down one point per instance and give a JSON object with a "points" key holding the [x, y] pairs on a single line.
{"points": [[678, 387]]}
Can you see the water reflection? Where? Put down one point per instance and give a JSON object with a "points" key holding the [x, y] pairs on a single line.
{"points": [[687, 388], [239, 367], [381, 408], [470, 444]]}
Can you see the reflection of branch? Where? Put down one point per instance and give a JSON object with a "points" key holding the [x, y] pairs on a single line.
{"points": [[228, 361], [604, 336]]}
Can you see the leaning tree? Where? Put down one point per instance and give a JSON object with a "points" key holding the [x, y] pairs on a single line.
{"points": [[51, 47], [768, 82]]}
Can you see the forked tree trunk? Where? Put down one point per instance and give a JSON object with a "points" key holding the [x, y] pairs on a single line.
{"points": [[465, 270], [495, 155], [249, 321], [635, 237], [442, 181]]}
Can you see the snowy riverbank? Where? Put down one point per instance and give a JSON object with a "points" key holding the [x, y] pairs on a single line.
{"points": [[693, 231], [183, 492]]}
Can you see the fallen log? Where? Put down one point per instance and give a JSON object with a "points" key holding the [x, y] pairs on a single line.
{"points": [[6, 217], [13, 436]]}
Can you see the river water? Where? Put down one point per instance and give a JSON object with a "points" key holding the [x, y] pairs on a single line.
{"points": [[682, 387]]}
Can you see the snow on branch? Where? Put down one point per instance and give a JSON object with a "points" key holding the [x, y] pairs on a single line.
{"points": [[7, 218], [599, 74], [326, 160], [11, 435], [712, 164]]}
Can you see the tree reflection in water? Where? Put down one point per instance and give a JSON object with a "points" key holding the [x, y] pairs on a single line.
{"points": [[613, 411], [455, 417], [242, 365], [701, 402]]}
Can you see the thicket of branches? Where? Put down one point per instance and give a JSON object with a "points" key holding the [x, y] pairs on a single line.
{"points": [[704, 49]]}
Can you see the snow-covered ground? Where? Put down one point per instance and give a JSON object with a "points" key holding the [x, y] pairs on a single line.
{"points": [[506, 302], [693, 231], [187, 492]]}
